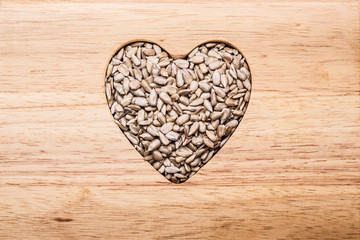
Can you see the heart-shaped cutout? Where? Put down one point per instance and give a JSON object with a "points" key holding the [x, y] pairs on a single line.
{"points": [[178, 113]]}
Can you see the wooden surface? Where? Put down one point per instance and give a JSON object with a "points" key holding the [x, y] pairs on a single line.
{"points": [[290, 171]]}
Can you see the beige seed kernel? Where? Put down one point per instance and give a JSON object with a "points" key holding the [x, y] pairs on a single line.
{"points": [[148, 51], [165, 98], [181, 63], [203, 68], [172, 136], [134, 84], [194, 128], [215, 65], [211, 136], [160, 80], [197, 59], [167, 127], [197, 102], [208, 142], [157, 155], [216, 78], [164, 140], [182, 119]]}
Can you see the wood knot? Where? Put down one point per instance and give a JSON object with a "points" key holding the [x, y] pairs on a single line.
{"points": [[59, 219]]}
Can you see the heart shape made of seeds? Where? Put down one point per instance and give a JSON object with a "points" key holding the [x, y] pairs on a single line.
{"points": [[178, 113]]}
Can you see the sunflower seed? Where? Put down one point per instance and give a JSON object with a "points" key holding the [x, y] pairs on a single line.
{"points": [[153, 130], [135, 60], [161, 117], [194, 128], [148, 51], [247, 96], [179, 175], [134, 84], [141, 115], [221, 131], [165, 149], [172, 136], [184, 152], [157, 49], [179, 79], [153, 97], [157, 155], [247, 84], [219, 92], [155, 144], [172, 169], [167, 127], [215, 65], [232, 123], [213, 53], [182, 119], [202, 127], [126, 101], [195, 162], [164, 62], [179, 159], [204, 86], [216, 78], [140, 101], [164, 140], [197, 59], [211, 136], [208, 142], [181, 63], [160, 80], [161, 170], [197, 102], [165, 98], [231, 102], [157, 165], [132, 138], [197, 141], [208, 105], [147, 136]]}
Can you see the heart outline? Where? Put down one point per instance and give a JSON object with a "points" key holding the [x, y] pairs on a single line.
{"points": [[125, 44]]}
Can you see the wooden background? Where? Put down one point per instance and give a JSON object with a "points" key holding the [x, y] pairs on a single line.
{"points": [[290, 171]]}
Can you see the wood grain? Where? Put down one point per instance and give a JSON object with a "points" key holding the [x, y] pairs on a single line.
{"points": [[290, 171]]}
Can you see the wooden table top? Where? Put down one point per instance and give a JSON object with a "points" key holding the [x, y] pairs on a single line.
{"points": [[290, 171]]}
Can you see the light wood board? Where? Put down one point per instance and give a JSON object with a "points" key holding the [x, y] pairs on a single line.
{"points": [[290, 171]]}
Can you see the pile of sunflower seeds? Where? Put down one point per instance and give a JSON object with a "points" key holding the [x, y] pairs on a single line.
{"points": [[177, 113]]}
